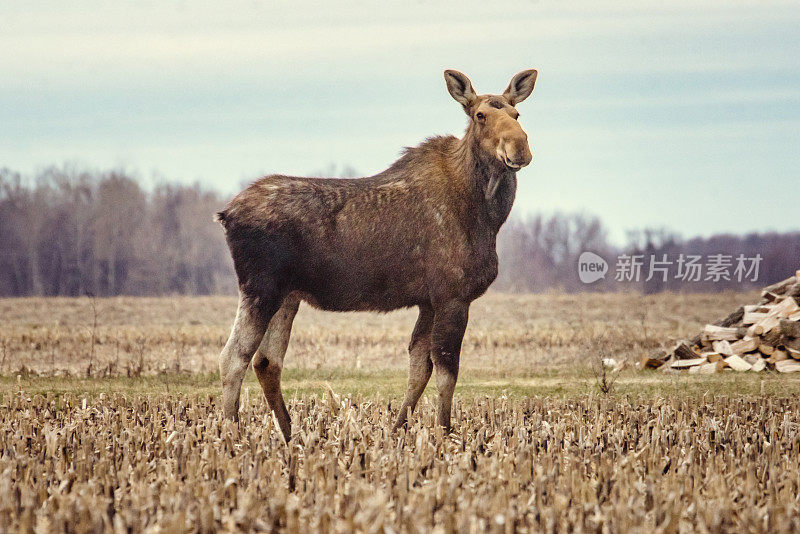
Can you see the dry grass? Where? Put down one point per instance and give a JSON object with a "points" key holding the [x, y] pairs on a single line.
{"points": [[535, 448], [518, 334]]}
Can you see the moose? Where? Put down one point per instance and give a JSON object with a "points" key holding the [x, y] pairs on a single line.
{"points": [[420, 234]]}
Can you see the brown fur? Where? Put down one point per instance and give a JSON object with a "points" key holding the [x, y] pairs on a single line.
{"points": [[421, 233]]}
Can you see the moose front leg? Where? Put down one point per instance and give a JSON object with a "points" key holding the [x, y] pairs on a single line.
{"points": [[449, 324]]}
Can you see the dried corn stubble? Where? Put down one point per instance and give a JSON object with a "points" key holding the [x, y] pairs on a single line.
{"points": [[536, 463]]}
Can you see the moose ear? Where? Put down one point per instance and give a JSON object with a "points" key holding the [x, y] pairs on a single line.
{"points": [[521, 86], [460, 88]]}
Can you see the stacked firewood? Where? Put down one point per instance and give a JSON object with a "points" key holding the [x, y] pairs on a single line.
{"points": [[763, 336]]}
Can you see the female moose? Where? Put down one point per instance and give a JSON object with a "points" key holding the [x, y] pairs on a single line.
{"points": [[421, 233]]}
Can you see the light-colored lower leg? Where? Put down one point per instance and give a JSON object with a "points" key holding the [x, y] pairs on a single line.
{"points": [[268, 361], [420, 364], [246, 334], [446, 384]]}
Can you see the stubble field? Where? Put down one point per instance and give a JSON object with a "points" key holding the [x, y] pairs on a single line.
{"points": [[109, 418]]}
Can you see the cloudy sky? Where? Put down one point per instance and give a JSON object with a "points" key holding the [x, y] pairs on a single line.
{"points": [[675, 114]]}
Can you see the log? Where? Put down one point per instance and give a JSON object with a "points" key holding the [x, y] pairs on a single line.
{"points": [[704, 369], [682, 351], [787, 366], [784, 308], [681, 364], [752, 317], [720, 333], [773, 337], [723, 347], [650, 363], [789, 328], [746, 344], [737, 364], [713, 357], [793, 290], [764, 325], [730, 320], [766, 298], [752, 358], [780, 287], [778, 356], [767, 350], [792, 347], [759, 366]]}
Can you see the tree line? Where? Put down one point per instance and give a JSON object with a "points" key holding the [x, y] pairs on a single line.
{"points": [[541, 253], [76, 232]]}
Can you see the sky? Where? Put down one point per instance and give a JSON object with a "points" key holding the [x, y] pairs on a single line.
{"points": [[683, 114]]}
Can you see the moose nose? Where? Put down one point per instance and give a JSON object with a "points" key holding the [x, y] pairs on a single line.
{"points": [[522, 160], [523, 156]]}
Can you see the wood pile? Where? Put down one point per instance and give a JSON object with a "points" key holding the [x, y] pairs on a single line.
{"points": [[762, 336]]}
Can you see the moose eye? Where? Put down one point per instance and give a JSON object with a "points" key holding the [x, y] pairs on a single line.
{"points": [[480, 116]]}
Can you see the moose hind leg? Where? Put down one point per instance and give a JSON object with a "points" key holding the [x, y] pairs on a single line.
{"points": [[420, 364], [246, 334], [449, 324], [268, 361]]}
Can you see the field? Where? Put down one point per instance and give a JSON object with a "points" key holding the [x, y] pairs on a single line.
{"points": [[109, 419]]}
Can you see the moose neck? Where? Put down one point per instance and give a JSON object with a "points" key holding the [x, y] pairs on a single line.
{"points": [[479, 172]]}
